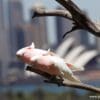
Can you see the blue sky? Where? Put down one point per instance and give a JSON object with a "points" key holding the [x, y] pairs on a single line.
{"points": [[91, 6]]}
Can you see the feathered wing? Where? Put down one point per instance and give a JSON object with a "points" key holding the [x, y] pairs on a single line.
{"points": [[32, 45]]}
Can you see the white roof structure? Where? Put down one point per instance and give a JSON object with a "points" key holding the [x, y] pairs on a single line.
{"points": [[84, 58], [74, 53], [61, 50]]}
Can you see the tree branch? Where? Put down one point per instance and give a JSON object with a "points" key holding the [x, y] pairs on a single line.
{"points": [[43, 12], [63, 83], [80, 19]]}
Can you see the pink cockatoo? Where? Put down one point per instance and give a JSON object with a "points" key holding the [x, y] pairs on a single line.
{"points": [[47, 61]]}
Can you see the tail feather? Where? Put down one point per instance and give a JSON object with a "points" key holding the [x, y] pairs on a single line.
{"points": [[75, 79], [72, 78]]}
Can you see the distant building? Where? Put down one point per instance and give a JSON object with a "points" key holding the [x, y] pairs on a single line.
{"points": [[98, 43], [38, 28], [1, 23], [62, 26], [87, 39], [11, 39], [16, 21], [4, 44], [98, 48], [1, 16]]}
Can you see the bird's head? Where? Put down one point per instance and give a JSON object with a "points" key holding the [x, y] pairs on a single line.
{"points": [[25, 53]]}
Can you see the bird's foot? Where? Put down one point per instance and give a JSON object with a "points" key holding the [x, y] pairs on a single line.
{"points": [[55, 79]]}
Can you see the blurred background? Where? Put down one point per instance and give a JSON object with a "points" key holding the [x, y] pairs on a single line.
{"points": [[18, 29]]}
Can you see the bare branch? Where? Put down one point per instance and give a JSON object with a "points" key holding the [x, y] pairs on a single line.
{"points": [[43, 12], [63, 83], [76, 85], [80, 19]]}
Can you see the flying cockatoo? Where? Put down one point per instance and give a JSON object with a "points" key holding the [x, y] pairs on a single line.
{"points": [[47, 61]]}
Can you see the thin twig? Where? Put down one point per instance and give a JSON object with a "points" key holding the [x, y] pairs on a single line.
{"points": [[43, 12], [76, 85], [63, 83]]}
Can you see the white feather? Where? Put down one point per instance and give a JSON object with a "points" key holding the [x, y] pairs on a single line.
{"points": [[33, 45]]}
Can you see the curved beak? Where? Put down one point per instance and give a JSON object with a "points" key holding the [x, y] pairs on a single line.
{"points": [[19, 53]]}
